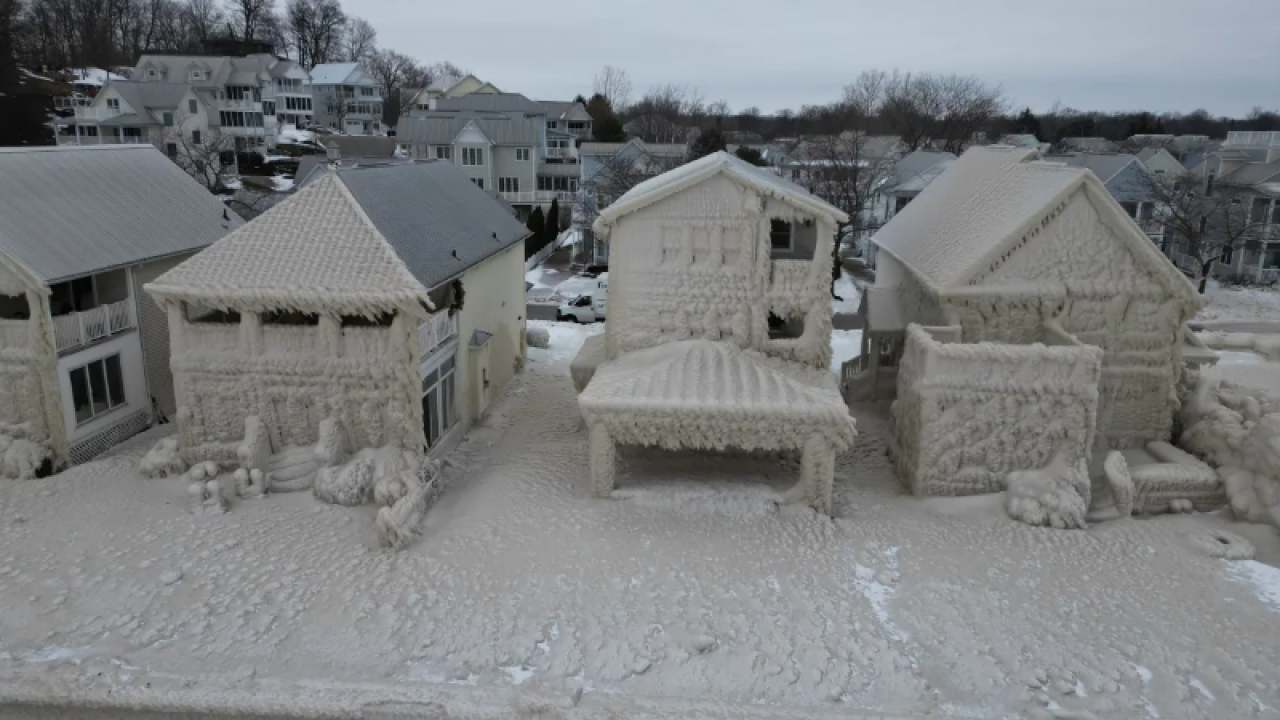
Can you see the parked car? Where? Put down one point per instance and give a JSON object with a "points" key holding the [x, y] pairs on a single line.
{"points": [[587, 307]]}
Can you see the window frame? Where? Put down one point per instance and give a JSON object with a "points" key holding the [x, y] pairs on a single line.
{"points": [[444, 152], [509, 184], [523, 154], [473, 153], [774, 231], [112, 404]]}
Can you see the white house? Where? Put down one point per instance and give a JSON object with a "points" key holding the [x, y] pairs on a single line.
{"points": [[719, 329], [1027, 317], [346, 98], [387, 297], [83, 354]]}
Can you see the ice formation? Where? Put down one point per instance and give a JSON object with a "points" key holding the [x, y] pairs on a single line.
{"points": [[1068, 307], [30, 400], [718, 337], [1056, 495], [1117, 473], [1239, 435], [162, 460], [21, 457], [538, 337]]}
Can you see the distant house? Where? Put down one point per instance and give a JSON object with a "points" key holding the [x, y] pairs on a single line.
{"points": [[1160, 161], [389, 297], [1024, 316], [568, 117], [659, 130], [84, 354], [607, 171], [1248, 165], [447, 86], [1129, 182], [909, 176], [346, 98], [1086, 144]]}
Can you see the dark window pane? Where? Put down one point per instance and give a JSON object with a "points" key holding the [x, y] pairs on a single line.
{"points": [[80, 395], [115, 381], [97, 387]]}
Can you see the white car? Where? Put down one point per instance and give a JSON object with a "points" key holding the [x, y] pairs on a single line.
{"points": [[582, 309]]}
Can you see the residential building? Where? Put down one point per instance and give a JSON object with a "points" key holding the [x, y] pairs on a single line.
{"points": [[1129, 182], [1248, 166], [504, 142], [719, 327], [1086, 144], [410, 351], [607, 171], [570, 118], [447, 86], [908, 177], [346, 98], [1029, 321], [131, 113], [84, 355], [1160, 162]]}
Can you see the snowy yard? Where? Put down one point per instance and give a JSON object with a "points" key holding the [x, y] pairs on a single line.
{"points": [[1240, 304], [691, 594]]}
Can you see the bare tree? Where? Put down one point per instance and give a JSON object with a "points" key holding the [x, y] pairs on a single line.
{"points": [[613, 84], [203, 18], [395, 71], [315, 29], [1205, 224], [359, 41], [250, 18], [620, 173], [945, 111]]}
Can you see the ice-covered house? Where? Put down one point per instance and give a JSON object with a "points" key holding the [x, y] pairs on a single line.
{"points": [[719, 329], [389, 297], [1025, 315], [83, 352]]}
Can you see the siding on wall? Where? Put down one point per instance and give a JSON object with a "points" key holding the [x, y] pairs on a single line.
{"points": [[494, 303], [153, 327]]}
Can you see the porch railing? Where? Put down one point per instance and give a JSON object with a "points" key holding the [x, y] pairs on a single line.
{"points": [[436, 331], [81, 328]]}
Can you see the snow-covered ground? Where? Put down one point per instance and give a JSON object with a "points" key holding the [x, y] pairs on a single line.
{"points": [[691, 594], [845, 346], [1240, 304], [849, 295]]}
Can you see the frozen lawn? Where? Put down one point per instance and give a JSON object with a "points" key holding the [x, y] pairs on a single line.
{"points": [[691, 587], [1240, 304], [849, 296]]}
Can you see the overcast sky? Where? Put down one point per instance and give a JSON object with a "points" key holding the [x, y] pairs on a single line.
{"points": [[1158, 55]]}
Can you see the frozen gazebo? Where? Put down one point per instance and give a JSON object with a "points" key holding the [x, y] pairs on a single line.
{"points": [[719, 329]]}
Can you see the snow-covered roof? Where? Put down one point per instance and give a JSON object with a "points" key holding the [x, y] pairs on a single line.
{"points": [[718, 163], [315, 251], [717, 384], [332, 73], [986, 202], [68, 211], [92, 76]]}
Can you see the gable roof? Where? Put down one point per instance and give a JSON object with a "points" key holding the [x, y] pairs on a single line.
{"points": [[1105, 165], [916, 165], [717, 163], [317, 250], [441, 128], [986, 202], [69, 211], [332, 73], [1253, 173], [429, 210], [490, 102], [142, 96]]}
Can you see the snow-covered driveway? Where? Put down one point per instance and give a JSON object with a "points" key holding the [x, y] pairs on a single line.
{"points": [[691, 590]]}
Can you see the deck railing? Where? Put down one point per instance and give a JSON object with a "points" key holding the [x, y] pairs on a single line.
{"points": [[436, 331], [81, 328]]}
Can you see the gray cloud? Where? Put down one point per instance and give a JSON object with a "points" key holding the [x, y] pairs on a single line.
{"points": [[1089, 54]]}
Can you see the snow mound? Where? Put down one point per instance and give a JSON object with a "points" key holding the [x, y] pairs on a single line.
{"points": [[538, 337], [1056, 495], [20, 458], [163, 460]]}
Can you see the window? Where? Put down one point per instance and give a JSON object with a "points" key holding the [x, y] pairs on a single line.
{"points": [[97, 388], [577, 125], [552, 124], [197, 75], [193, 107], [89, 130], [899, 203], [1258, 213], [171, 149], [289, 317], [444, 152], [268, 107], [1208, 185], [1130, 208], [509, 184], [472, 156], [779, 235], [367, 91], [479, 182], [195, 137], [167, 119], [1275, 214], [151, 73], [1227, 252], [558, 184], [113, 103], [439, 395], [522, 154]]}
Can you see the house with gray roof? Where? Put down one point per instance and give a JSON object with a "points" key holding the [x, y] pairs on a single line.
{"points": [[84, 354], [1129, 182], [346, 98], [387, 296], [1248, 166], [448, 86]]}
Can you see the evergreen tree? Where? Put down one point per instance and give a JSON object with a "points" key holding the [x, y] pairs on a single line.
{"points": [[551, 228], [751, 155], [536, 224], [1027, 123], [708, 142]]}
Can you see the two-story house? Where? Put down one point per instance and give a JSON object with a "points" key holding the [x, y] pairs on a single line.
{"points": [[504, 142], [609, 170], [447, 86], [1248, 166], [126, 112], [346, 98], [84, 356]]}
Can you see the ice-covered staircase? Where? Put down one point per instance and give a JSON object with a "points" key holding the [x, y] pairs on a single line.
{"points": [[293, 468]]}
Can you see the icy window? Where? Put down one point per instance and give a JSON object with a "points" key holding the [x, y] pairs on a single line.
{"points": [[383, 320], [289, 317], [197, 313], [14, 307], [782, 328], [97, 388], [779, 235]]}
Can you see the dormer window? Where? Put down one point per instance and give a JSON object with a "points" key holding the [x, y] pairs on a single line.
{"points": [[197, 75], [113, 104], [151, 73]]}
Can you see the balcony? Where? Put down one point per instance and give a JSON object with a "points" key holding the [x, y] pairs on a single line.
{"points": [[436, 331], [1252, 139], [554, 153], [67, 102], [241, 104], [77, 329], [541, 196], [96, 113], [102, 140]]}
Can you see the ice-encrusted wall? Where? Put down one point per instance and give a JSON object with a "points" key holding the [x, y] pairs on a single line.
{"points": [[293, 378], [30, 405], [1074, 269], [697, 265], [968, 414]]}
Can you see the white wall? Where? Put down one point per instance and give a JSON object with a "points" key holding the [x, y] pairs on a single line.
{"points": [[129, 348], [494, 303]]}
